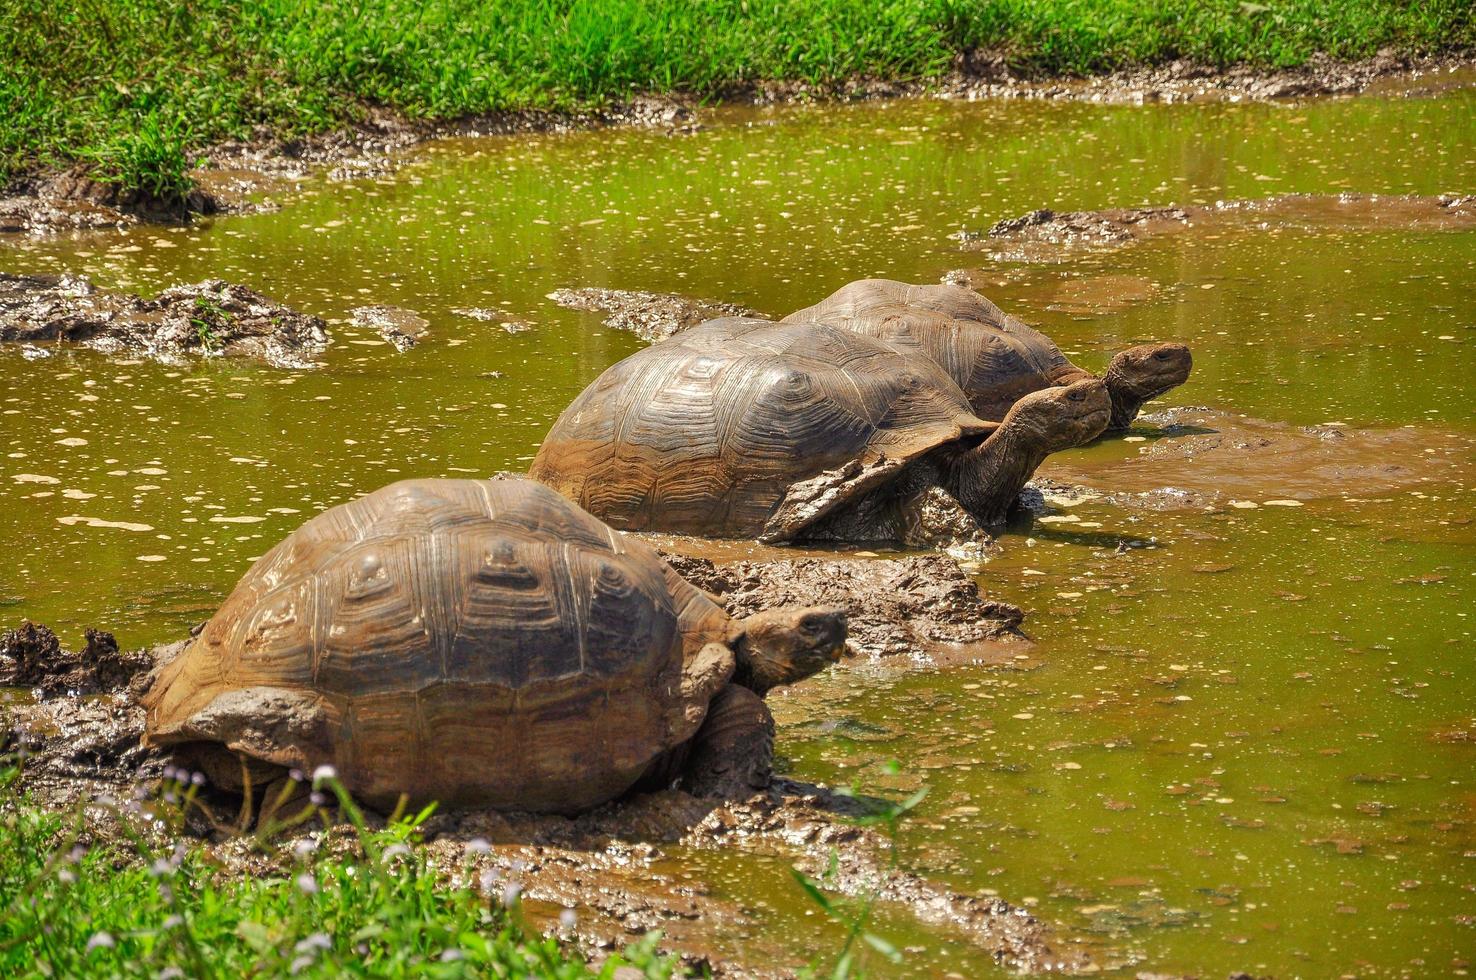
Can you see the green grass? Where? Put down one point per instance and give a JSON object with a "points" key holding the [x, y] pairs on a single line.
{"points": [[132, 87], [371, 907]]}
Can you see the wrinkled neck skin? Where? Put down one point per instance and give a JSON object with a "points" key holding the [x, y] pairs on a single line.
{"points": [[987, 479], [1126, 400]]}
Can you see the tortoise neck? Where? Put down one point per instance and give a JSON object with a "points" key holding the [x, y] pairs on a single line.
{"points": [[986, 480], [1126, 400]]}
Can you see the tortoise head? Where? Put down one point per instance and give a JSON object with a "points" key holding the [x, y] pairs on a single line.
{"points": [[1059, 418], [1139, 374], [782, 646]]}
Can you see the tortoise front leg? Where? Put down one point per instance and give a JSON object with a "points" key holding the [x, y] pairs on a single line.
{"points": [[732, 754]]}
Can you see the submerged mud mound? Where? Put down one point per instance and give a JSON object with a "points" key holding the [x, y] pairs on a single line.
{"points": [[1049, 236], [211, 318], [1200, 457], [32, 656], [650, 316], [402, 328], [921, 605]]}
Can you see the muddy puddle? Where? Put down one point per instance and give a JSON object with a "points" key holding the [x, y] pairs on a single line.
{"points": [[1235, 740]]}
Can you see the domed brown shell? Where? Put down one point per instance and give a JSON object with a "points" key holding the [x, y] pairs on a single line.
{"points": [[704, 433], [992, 356], [473, 642]]}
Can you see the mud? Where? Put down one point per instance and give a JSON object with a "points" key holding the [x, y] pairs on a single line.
{"points": [[650, 316], [1200, 458], [211, 318], [923, 606], [400, 327], [985, 74], [1049, 236], [74, 201], [618, 866]]}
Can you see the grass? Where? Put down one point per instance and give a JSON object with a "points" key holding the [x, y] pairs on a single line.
{"points": [[132, 88], [370, 905]]}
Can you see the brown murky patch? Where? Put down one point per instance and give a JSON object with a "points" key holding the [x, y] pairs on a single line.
{"points": [[1095, 295], [1200, 457], [1051, 237], [650, 316]]}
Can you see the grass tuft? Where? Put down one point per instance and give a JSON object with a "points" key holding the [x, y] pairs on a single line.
{"points": [[365, 903]]}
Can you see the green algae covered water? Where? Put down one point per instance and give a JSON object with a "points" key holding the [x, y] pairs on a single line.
{"points": [[1244, 738]]}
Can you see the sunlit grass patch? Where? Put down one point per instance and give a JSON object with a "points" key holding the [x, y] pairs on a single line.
{"points": [[366, 904]]}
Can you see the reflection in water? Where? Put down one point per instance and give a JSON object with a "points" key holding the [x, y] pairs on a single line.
{"points": [[1230, 748]]}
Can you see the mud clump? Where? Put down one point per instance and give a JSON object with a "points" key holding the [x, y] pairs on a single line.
{"points": [[74, 201], [32, 656], [211, 318], [650, 316], [1049, 236], [402, 328], [922, 604]]}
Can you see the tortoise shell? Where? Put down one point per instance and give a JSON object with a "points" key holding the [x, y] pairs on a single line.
{"points": [[474, 642], [993, 357], [706, 432]]}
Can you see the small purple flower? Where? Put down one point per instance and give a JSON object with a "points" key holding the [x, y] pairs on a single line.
{"points": [[307, 884], [323, 772], [101, 940], [451, 955], [304, 848], [317, 799], [568, 918], [173, 922], [511, 892], [478, 845]]}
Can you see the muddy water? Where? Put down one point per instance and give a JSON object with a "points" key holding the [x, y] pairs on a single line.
{"points": [[1237, 744]]}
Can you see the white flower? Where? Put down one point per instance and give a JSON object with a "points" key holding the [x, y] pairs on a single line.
{"points": [[488, 880], [511, 892], [101, 940], [318, 940], [478, 845], [568, 918], [173, 922], [300, 964], [323, 772], [303, 848], [307, 884], [66, 877], [451, 955], [395, 851]]}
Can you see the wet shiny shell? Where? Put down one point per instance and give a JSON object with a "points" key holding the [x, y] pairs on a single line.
{"points": [[993, 357], [472, 642], [705, 432]]}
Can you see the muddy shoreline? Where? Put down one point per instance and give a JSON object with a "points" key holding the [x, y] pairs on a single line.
{"points": [[235, 172], [75, 719]]}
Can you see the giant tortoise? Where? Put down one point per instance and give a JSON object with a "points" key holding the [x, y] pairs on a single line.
{"points": [[994, 358], [742, 427], [480, 643]]}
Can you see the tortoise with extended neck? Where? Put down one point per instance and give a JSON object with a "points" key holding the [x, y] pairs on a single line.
{"points": [[742, 427], [480, 643], [994, 358]]}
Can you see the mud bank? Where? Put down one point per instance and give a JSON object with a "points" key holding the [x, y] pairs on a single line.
{"points": [[212, 318], [619, 866], [236, 171], [922, 605], [1200, 458], [650, 316], [1050, 236]]}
